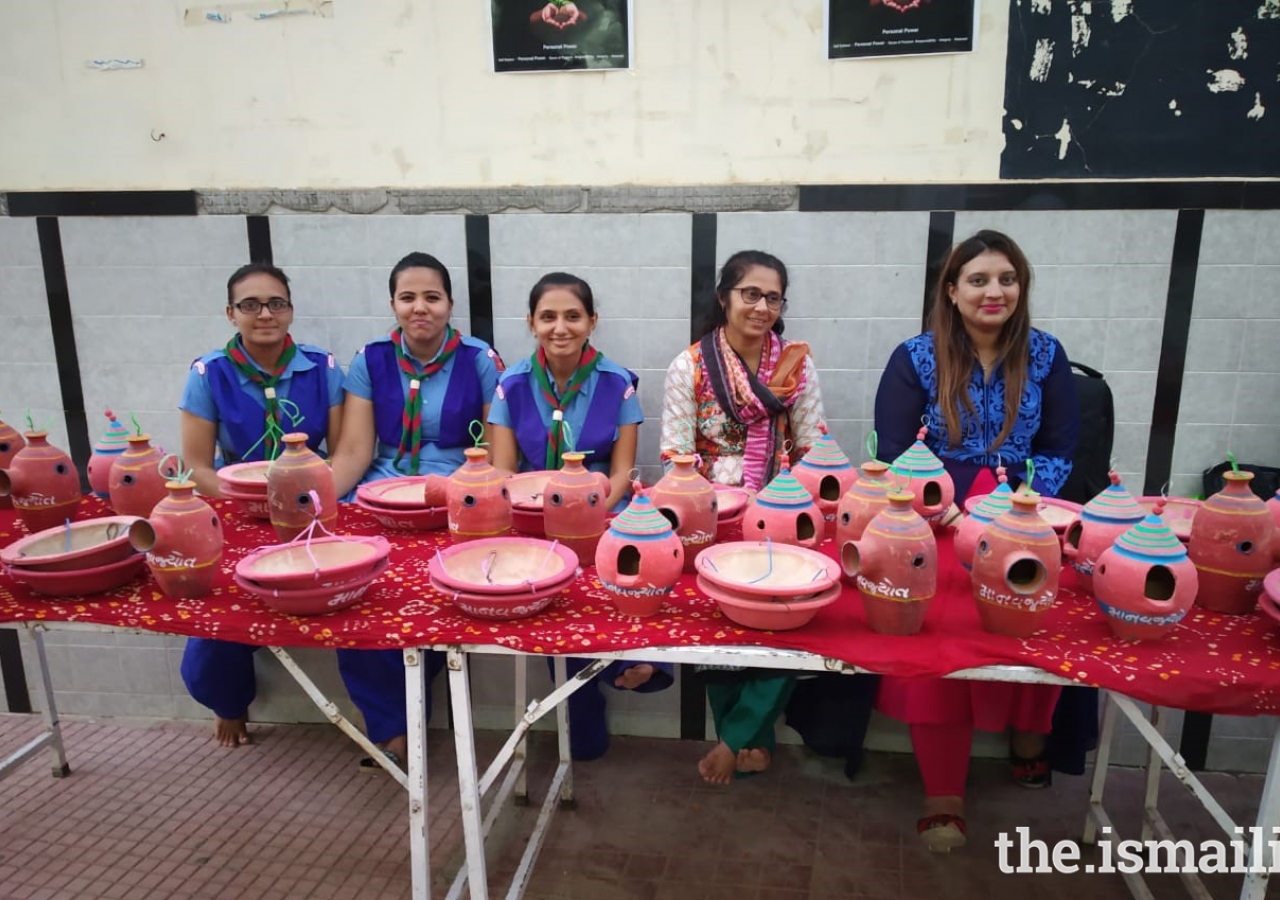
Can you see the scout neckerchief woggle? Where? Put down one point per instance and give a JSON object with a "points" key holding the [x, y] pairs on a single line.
{"points": [[411, 419], [267, 381], [555, 434]]}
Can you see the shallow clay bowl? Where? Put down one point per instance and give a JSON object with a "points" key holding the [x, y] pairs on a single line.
{"points": [[526, 489], [245, 478], [504, 565], [408, 492], [501, 606], [96, 580], [312, 601], [322, 562], [753, 612], [255, 506], [427, 519], [730, 528], [730, 500], [525, 520], [766, 570], [86, 545], [1058, 513], [1269, 601], [1178, 513]]}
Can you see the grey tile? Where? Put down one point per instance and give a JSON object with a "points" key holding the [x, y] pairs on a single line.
{"points": [[568, 242], [216, 241], [22, 290], [26, 339], [1197, 447], [1186, 485], [1222, 292], [148, 290], [650, 393], [1213, 345], [802, 238], [653, 291], [1134, 394], [1263, 298], [901, 237], [1129, 449], [844, 393], [96, 669], [322, 291], [1048, 285], [19, 243], [1261, 352], [1255, 443], [146, 671], [1139, 292], [1232, 727], [1238, 755], [1229, 237], [1087, 292], [1133, 345], [835, 343], [883, 335], [511, 286], [33, 384], [660, 341], [1146, 236], [1058, 237], [851, 435], [1084, 340], [512, 338], [1267, 226], [389, 238], [337, 240], [831, 291], [1208, 397]]}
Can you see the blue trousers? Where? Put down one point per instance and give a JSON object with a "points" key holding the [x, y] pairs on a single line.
{"points": [[219, 675], [588, 730], [375, 684]]}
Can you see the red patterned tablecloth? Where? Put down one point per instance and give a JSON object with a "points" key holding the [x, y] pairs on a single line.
{"points": [[1210, 663]]}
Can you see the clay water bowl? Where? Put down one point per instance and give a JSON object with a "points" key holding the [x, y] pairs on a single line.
{"points": [[731, 502], [422, 519], [1178, 513], [525, 489], [407, 493], [767, 570], [519, 605], [82, 545], [245, 478], [765, 615], [312, 601], [321, 563], [1056, 513], [504, 565], [77, 583], [1269, 599]]}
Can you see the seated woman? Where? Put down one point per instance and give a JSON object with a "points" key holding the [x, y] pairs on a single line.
{"points": [[736, 398], [411, 398], [568, 390], [239, 400], [993, 391]]}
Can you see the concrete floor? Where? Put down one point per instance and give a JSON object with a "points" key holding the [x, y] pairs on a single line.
{"points": [[158, 812]]}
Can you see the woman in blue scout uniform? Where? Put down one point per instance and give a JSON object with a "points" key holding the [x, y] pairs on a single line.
{"points": [[411, 398], [239, 400], [568, 394]]}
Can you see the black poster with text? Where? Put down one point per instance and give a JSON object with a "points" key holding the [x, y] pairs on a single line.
{"points": [[561, 35], [858, 29]]}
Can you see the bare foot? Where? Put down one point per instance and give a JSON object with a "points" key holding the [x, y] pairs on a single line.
{"points": [[755, 759], [634, 676], [717, 766], [230, 732]]}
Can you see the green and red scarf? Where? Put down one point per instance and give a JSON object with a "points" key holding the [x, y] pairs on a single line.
{"points": [[267, 381], [555, 434], [411, 419]]}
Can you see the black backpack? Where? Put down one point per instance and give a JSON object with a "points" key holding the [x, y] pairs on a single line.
{"points": [[1266, 479], [1091, 466]]}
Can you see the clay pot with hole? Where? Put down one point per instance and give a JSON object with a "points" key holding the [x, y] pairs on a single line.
{"points": [[1016, 568], [895, 567], [1232, 536], [783, 511], [183, 542], [137, 480], [477, 500], [689, 503], [42, 483], [639, 559], [300, 489], [575, 506], [826, 474], [1145, 582]]}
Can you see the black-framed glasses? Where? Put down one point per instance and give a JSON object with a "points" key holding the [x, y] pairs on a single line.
{"points": [[253, 306], [753, 295]]}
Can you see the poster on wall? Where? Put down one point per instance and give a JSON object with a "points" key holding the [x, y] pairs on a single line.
{"points": [[858, 29], [560, 35]]}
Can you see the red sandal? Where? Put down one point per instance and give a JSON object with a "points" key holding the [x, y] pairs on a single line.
{"points": [[941, 833]]}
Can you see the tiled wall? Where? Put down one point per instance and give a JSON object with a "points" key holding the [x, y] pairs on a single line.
{"points": [[147, 296]]}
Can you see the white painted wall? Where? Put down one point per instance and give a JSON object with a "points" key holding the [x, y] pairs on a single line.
{"points": [[401, 94]]}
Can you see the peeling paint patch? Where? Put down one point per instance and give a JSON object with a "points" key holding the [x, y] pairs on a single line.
{"points": [[1044, 7], [1225, 80], [221, 14], [111, 65], [1081, 32], [1064, 139], [1258, 110], [1042, 60], [1121, 10], [1270, 9], [1016, 123], [1173, 105], [1239, 46]]}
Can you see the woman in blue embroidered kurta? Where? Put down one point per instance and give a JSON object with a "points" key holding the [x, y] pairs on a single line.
{"points": [[411, 397], [567, 393], [992, 391], [236, 403]]}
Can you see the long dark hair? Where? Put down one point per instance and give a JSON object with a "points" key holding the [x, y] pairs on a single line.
{"points": [[955, 351], [734, 270], [419, 260]]}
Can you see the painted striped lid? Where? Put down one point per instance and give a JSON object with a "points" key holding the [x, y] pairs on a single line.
{"points": [[115, 439], [995, 504], [1114, 504], [1152, 540], [917, 461], [640, 518], [825, 454], [785, 491]]}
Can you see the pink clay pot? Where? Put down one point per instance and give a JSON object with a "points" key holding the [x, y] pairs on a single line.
{"points": [[1232, 537], [183, 542], [784, 512], [1016, 570], [689, 503], [639, 559], [927, 480], [137, 481], [1103, 519], [862, 501], [114, 442], [293, 477], [895, 566], [575, 506], [477, 499], [826, 474], [985, 511], [42, 482], [10, 443], [1145, 583]]}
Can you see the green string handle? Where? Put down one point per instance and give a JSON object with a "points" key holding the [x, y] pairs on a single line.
{"points": [[182, 474], [873, 445], [1235, 466], [31, 425], [137, 427], [476, 430], [1031, 474]]}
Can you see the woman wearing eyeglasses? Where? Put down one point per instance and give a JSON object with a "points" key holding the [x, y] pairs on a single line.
{"points": [[737, 398], [412, 396], [568, 391], [239, 400]]}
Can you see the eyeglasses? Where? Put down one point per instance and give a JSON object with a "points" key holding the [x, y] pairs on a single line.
{"points": [[252, 307], [753, 295]]}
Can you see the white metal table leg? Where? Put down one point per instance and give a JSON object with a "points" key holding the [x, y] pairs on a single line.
{"points": [[1153, 770], [1255, 883], [415, 712], [562, 729], [468, 781], [51, 722], [522, 749], [1101, 762]]}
